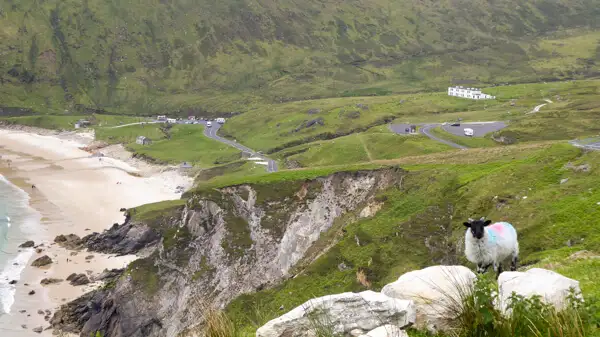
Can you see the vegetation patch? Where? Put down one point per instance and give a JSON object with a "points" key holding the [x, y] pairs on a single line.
{"points": [[237, 239]]}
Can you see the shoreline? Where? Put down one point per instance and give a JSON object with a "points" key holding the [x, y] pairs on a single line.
{"points": [[74, 194]]}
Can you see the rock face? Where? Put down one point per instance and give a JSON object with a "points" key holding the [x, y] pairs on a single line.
{"points": [[552, 287], [342, 313], [42, 261], [27, 244], [220, 244], [435, 291]]}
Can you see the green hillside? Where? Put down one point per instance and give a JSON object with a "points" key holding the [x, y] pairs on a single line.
{"points": [[152, 56]]}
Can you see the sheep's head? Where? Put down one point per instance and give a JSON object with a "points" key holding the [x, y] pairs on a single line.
{"points": [[477, 226]]}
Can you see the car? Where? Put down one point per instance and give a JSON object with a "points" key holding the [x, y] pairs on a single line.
{"points": [[469, 132], [209, 124], [455, 124]]}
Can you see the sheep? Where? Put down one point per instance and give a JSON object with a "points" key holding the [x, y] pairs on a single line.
{"points": [[487, 245]]}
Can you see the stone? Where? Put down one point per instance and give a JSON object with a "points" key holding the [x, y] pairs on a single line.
{"points": [[89, 257], [552, 287], [13, 282], [27, 244], [32, 292], [343, 312], [562, 181], [387, 330], [123, 209], [73, 253], [435, 291], [79, 280], [48, 281], [23, 326], [71, 277], [70, 241], [356, 332], [42, 261], [40, 312], [39, 329], [39, 250]]}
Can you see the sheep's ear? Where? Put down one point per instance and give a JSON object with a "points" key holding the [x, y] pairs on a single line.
{"points": [[487, 222], [467, 224]]}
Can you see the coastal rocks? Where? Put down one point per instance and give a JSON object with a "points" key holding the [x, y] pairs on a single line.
{"points": [[552, 287], [32, 292], [122, 239], [344, 313], [39, 329], [89, 257], [435, 290], [70, 241], [27, 244], [13, 282], [78, 279], [48, 281], [42, 261], [109, 274]]}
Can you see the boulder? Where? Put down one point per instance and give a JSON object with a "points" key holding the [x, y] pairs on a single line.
{"points": [[32, 292], [386, 331], [70, 241], [71, 277], [42, 261], [79, 280], [436, 291], [552, 287], [48, 281], [39, 329], [342, 313], [27, 244], [13, 282]]}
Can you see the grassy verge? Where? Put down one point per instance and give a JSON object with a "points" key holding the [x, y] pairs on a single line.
{"points": [[67, 122]]}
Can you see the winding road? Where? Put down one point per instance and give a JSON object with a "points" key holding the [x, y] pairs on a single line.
{"points": [[425, 130], [212, 133]]}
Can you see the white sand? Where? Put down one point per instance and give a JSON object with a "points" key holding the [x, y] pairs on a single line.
{"points": [[78, 194]]}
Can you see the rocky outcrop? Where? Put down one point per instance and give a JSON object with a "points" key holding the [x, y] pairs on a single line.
{"points": [[48, 281], [343, 313], [42, 261], [27, 244], [224, 242], [128, 238], [436, 291], [78, 279], [70, 241], [386, 331], [550, 286]]}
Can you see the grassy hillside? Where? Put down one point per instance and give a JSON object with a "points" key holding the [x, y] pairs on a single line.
{"points": [[152, 56], [420, 224]]}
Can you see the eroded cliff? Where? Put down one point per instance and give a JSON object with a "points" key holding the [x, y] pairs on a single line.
{"points": [[216, 245]]}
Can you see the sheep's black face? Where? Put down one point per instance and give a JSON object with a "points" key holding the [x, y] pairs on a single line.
{"points": [[477, 227]]}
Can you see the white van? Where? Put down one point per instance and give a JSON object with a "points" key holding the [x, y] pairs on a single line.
{"points": [[469, 132], [209, 124], [221, 120], [171, 120]]}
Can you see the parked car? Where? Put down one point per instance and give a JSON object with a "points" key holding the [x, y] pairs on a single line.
{"points": [[469, 132], [455, 124], [209, 124]]}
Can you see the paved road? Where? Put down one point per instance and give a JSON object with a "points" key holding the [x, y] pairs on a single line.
{"points": [[425, 130], [212, 133], [589, 146], [480, 129], [130, 124]]}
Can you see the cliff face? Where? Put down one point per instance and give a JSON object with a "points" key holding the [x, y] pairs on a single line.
{"points": [[220, 244]]}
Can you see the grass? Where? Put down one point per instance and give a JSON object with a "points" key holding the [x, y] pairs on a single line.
{"points": [[67, 122], [433, 199]]}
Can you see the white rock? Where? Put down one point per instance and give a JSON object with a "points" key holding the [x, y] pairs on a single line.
{"points": [[386, 331], [437, 291], [552, 287], [342, 313]]}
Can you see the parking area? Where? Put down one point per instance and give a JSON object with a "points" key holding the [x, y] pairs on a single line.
{"points": [[480, 129], [403, 129]]}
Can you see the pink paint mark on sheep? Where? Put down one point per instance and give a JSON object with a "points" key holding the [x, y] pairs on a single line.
{"points": [[498, 227]]}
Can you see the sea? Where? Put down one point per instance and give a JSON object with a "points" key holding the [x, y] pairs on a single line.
{"points": [[18, 223]]}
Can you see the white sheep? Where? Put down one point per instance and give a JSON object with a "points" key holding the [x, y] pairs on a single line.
{"points": [[487, 245]]}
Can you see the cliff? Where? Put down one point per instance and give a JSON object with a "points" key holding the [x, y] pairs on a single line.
{"points": [[214, 246]]}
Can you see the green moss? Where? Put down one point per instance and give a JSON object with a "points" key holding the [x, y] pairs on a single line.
{"points": [[145, 274], [204, 268]]}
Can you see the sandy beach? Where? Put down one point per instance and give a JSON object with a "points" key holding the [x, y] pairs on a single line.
{"points": [[74, 193]]}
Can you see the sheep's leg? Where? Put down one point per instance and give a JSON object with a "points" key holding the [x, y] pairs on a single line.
{"points": [[481, 269], [498, 269], [513, 262]]}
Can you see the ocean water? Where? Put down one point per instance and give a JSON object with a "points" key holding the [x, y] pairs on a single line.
{"points": [[18, 222]]}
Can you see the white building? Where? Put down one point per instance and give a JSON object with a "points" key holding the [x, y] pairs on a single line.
{"points": [[471, 93]]}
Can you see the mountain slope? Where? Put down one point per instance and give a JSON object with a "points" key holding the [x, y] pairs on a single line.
{"points": [[155, 55]]}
